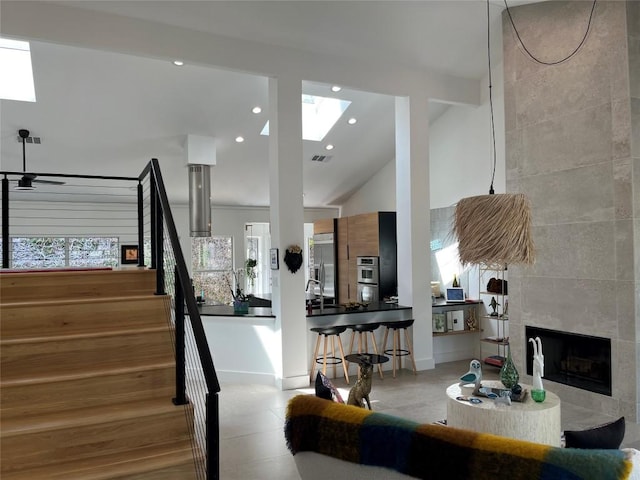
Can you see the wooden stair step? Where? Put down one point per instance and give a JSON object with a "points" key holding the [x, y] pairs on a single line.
{"points": [[84, 433], [37, 395], [164, 462], [76, 353], [69, 316], [42, 285]]}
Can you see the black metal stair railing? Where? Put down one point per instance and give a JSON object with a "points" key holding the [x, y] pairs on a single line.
{"points": [[193, 356], [197, 386]]}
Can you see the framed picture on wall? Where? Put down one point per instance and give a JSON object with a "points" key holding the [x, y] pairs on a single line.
{"points": [[128, 254], [275, 265]]}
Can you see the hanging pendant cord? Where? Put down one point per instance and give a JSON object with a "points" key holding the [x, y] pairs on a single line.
{"points": [[493, 127], [533, 57], [542, 62]]}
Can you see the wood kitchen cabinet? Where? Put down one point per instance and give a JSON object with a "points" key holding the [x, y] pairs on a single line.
{"points": [[366, 235], [326, 225]]}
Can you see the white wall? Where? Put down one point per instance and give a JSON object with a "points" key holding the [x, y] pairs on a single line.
{"points": [[120, 219], [460, 165], [460, 157], [377, 195]]}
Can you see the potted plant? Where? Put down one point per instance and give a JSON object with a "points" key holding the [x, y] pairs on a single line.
{"points": [[240, 299], [250, 270]]}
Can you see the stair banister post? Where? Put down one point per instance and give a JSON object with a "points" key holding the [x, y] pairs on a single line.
{"points": [[153, 198], [140, 226], [213, 436], [159, 222], [181, 387], [5, 222]]}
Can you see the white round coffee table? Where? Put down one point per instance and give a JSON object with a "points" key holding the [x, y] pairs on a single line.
{"points": [[527, 420]]}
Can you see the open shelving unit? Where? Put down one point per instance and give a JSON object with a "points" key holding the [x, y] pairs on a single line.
{"points": [[469, 308], [494, 318]]}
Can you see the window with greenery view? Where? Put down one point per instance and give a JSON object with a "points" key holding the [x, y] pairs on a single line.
{"points": [[57, 252], [212, 262], [93, 252]]}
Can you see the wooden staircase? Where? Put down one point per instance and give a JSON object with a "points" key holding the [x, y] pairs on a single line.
{"points": [[87, 378]]}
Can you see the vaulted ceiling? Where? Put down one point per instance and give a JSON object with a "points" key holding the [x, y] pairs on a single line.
{"points": [[108, 113]]}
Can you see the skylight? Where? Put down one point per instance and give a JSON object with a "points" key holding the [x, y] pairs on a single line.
{"points": [[319, 115], [15, 57]]}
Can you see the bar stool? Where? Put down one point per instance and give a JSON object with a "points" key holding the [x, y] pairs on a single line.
{"points": [[332, 359], [397, 350], [361, 331]]}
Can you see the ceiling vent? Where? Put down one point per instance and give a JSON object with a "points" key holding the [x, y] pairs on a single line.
{"points": [[321, 158], [35, 140]]}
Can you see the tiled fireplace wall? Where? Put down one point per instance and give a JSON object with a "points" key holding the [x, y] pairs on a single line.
{"points": [[573, 147]]}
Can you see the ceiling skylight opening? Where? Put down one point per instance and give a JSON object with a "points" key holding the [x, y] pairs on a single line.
{"points": [[15, 57], [319, 115]]}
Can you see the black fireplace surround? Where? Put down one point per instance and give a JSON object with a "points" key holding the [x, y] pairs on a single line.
{"points": [[581, 361]]}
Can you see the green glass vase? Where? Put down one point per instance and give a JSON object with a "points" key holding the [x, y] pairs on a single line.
{"points": [[509, 373]]}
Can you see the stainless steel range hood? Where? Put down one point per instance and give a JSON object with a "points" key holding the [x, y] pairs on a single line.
{"points": [[200, 156], [199, 201]]}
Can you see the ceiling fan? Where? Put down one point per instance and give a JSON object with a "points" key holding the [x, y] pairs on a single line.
{"points": [[27, 180]]}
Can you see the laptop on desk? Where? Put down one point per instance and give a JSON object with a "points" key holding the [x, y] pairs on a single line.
{"points": [[454, 295]]}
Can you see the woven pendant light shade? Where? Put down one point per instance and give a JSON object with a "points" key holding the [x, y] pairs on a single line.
{"points": [[494, 230]]}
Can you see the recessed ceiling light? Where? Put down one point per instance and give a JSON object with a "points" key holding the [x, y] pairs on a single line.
{"points": [[178, 63], [336, 88], [239, 139], [352, 121], [329, 147], [256, 110]]}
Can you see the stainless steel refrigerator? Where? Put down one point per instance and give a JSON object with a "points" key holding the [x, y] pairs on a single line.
{"points": [[324, 268]]}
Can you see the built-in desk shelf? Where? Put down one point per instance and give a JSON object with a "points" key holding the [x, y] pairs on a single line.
{"points": [[441, 310], [495, 342], [455, 332]]}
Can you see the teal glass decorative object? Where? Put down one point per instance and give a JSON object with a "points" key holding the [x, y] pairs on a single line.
{"points": [[240, 307], [508, 373]]}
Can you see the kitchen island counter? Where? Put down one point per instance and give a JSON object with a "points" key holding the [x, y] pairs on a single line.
{"points": [[245, 346], [330, 315], [375, 312]]}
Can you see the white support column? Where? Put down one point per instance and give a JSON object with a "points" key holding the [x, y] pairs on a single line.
{"points": [[413, 217], [287, 228]]}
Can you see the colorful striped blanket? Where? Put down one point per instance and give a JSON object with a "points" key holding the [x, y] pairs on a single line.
{"points": [[430, 451]]}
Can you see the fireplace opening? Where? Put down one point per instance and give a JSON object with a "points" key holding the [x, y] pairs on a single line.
{"points": [[581, 361]]}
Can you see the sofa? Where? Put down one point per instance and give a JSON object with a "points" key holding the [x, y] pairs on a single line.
{"points": [[333, 440]]}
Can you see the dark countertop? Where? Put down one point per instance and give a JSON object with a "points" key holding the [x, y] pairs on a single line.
{"points": [[227, 310], [443, 303], [372, 307]]}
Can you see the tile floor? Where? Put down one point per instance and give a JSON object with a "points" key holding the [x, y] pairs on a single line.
{"points": [[252, 417]]}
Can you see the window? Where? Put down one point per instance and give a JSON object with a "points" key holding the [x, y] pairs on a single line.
{"points": [[319, 115], [253, 253], [93, 252], [15, 57], [59, 252], [38, 252], [212, 262], [257, 242]]}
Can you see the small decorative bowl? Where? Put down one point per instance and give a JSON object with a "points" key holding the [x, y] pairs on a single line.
{"points": [[538, 395], [352, 306]]}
